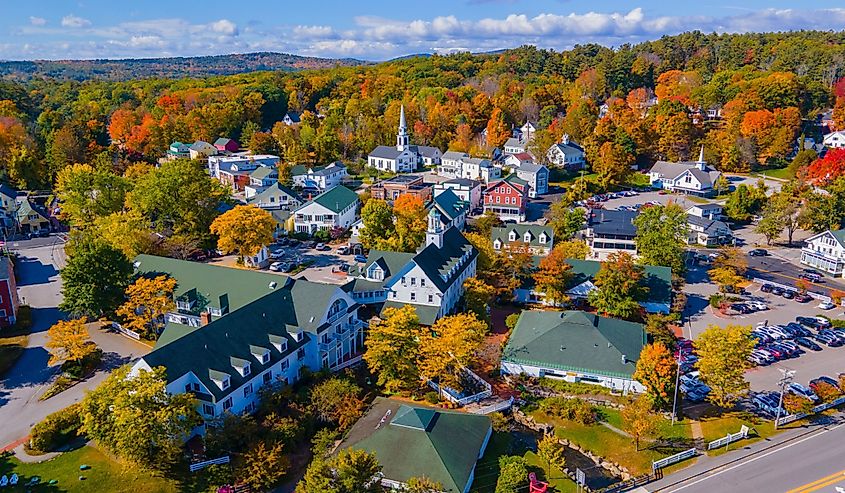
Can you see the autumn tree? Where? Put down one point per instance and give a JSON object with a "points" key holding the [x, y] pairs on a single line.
{"points": [[336, 401], [773, 132], [656, 368], [262, 466], [422, 484], [86, 194], [639, 420], [729, 268], [553, 275], [613, 165], [68, 340], [576, 249], [449, 347], [550, 451], [377, 222], [148, 300], [484, 225], [94, 278], [662, 236], [392, 346], [127, 232], [350, 471], [478, 296], [723, 359], [565, 221], [244, 230], [498, 130], [619, 287], [137, 419], [515, 264], [830, 167], [411, 222]]}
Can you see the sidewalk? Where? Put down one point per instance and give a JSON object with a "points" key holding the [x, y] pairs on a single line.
{"points": [[707, 464]]}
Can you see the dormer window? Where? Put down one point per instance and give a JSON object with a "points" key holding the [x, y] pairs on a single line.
{"points": [[225, 384], [512, 236], [543, 238], [527, 237], [246, 370]]}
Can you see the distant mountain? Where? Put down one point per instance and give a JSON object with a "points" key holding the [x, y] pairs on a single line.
{"points": [[135, 68]]}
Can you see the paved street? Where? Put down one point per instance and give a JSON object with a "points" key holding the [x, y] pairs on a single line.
{"points": [[40, 286], [780, 270], [793, 462]]}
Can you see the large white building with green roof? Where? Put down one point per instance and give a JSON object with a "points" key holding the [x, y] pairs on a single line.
{"points": [[335, 208], [235, 331], [577, 347]]}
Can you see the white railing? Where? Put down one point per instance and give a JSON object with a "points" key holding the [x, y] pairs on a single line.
{"points": [[821, 407], [659, 464], [487, 392], [730, 438], [200, 465], [128, 333], [346, 364], [499, 406]]}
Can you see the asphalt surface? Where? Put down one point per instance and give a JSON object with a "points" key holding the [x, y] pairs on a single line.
{"points": [[797, 461], [39, 286], [775, 269]]}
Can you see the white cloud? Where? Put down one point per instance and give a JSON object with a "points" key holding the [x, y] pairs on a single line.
{"points": [[224, 27], [75, 21], [37, 21]]}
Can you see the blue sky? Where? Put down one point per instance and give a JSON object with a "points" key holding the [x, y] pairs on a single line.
{"points": [[374, 29]]}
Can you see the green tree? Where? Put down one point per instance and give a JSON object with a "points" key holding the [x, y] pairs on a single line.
{"points": [[484, 225], [550, 451], [565, 221], [478, 296], [576, 249], [662, 236], [350, 471], [723, 359], [618, 287], [422, 484], [745, 201], [513, 474], [377, 222], [85, 194], [392, 346], [94, 279], [336, 401], [782, 212], [136, 418], [658, 330]]}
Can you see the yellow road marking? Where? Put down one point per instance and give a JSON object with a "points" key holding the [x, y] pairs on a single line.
{"points": [[820, 483]]}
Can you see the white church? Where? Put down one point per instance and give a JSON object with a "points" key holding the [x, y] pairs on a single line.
{"points": [[404, 157]]}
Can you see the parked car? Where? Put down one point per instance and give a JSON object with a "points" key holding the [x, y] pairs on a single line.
{"points": [[758, 359], [777, 290], [828, 339], [322, 247], [276, 266], [360, 258], [766, 288], [799, 329], [344, 250], [826, 305], [807, 343], [802, 391], [757, 305], [824, 379], [803, 298], [758, 252], [767, 402], [789, 293], [812, 322], [811, 276], [278, 254], [742, 308]]}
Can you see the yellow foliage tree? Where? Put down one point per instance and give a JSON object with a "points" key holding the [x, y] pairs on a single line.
{"points": [[392, 346], [243, 230], [68, 340], [723, 359], [553, 275], [656, 370], [148, 301], [449, 347], [638, 419]]}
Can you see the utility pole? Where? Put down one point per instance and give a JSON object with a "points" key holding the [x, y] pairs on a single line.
{"points": [[677, 380], [785, 379]]}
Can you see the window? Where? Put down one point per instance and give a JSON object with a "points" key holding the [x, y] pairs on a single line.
{"points": [[300, 354], [246, 369], [285, 365], [266, 377], [403, 280], [422, 283], [247, 390], [208, 409], [431, 298], [413, 281], [192, 387], [227, 404], [225, 384], [393, 293], [413, 296], [265, 358]]}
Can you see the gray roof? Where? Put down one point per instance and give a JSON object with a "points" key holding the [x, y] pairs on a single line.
{"points": [[455, 155], [385, 152], [529, 167], [612, 222], [707, 207], [503, 234], [706, 224], [390, 262], [466, 182], [669, 170], [262, 172], [425, 151], [569, 147], [514, 142], [576, 341], [275, 190], [8, 191]]}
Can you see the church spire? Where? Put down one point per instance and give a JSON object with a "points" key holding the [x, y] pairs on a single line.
{"points": [[701, 163], [402, 136]]}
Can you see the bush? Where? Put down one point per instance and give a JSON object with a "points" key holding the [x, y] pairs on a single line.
{"points": [[796, 404], [716, 300], [323, 235], [23, 319], [56, 429], [513, 474], [432, 397], [62, 383], [499, 421], [511, 320], [575, 388], [570, 409], [837, 324]]}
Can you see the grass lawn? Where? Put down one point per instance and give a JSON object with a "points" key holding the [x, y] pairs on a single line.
{"points": [[104, 475], [12, 343], [780, 173], [487, 469], [607, 443], [717, 427]]}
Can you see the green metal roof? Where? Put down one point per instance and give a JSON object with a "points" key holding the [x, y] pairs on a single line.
{"points": [[576, 341], [658, 279], [426, 313], [275, 190], [173, 331], [448, 203], [839, 234], [502, 234], [262, 172], [336, 199], [412, 441]]}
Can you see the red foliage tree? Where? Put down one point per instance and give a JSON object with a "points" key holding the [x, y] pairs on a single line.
{"points": [[829, 168]]}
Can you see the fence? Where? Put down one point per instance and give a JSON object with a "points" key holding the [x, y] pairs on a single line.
{"points": [[200, 465], [730, 438], [821, 407], [449, 394], [128, 333], [659, 464], [499, 406]]}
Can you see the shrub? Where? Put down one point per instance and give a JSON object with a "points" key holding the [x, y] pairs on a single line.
{"points": [[716, 300], [62, 383], [571, 409], [323, 235], [827, 392], [432, 397], [511, 320], [513, 474], [500, 422], [576, 388], [23, 318], [56, 429], [796, 404]]}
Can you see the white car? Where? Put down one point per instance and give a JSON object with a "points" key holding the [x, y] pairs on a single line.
{"points": [[277, 254], [757, 305], [276, 266], [826, 305]]}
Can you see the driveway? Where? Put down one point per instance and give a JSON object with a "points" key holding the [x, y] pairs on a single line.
{"points": [[40, 287]]}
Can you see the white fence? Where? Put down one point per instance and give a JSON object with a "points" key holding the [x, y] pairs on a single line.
{"points": [[821, 407], [730, 438], [445, 393], [200, 465], [492, 408], [128, 333], [660, 464]]}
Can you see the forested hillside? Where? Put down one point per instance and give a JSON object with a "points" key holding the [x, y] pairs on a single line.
{"points": [[767, 86], [141, 68]]}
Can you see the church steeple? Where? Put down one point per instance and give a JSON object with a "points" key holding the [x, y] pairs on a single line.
{"points": [[402, 136], [701, 163], [434, 232]]}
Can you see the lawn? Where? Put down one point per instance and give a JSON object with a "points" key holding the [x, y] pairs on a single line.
{"points": [[487, 469], [779, 173], [12, 343], [621, 449], [105, 474], [716, 427]]}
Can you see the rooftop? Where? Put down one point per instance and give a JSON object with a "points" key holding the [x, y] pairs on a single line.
{"points": [[612, 222]]}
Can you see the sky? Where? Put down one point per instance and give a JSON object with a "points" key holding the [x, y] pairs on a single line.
{"points": [[372, 29]]}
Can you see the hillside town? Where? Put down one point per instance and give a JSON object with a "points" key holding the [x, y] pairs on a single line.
{"points": [[629, 287]]}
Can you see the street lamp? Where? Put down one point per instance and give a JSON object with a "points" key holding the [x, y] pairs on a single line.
{"points": [[677, 378], [785, 379]]}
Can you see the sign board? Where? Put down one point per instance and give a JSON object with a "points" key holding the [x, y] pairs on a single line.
{"points": [[580, 477]]}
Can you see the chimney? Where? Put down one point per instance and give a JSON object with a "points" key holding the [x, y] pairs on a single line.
{"points": [[205, 319]]}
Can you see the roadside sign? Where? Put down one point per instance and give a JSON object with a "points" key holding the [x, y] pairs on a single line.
{"points": [[580, 477]]}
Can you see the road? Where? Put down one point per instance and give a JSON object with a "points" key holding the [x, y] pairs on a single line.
{"points": [[778, 270], [39, 286], [802, 464]]}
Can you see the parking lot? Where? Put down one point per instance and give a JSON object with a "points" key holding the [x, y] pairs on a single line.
{"points": [[323, 265]]}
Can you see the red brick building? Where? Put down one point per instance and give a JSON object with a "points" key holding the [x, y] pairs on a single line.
{"points": [[507, 198], [392, 188], [8, 293]]}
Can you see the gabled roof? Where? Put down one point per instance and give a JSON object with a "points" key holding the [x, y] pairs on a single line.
{"points": [[503, 234], [425, 151], [673, 170], [437, 262], [612, 221], [706, 224], [512, 180], [576, 341], [449, 204], [8, 191], [412, 440], [262, 172], [568, 148], [294, 116], [274, 190], [390, 262], [707, 207], [514, 142], [25, 208], [385, 152], [658, 279], [454, 155], [223, 142], [531, 168], [335, 199]]}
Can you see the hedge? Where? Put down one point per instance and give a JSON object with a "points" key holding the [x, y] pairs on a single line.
{"points": [[56, 429]]}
